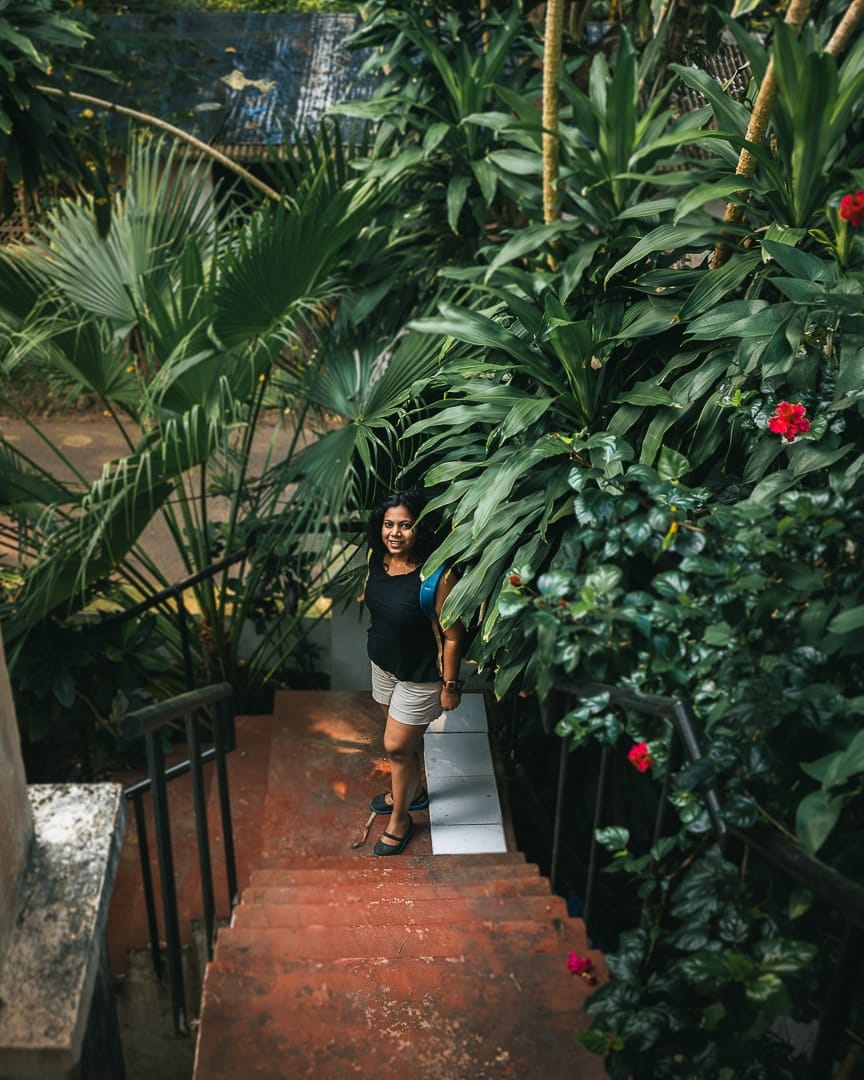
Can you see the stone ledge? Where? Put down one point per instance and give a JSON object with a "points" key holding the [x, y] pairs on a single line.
{"points": [[52, 963]]}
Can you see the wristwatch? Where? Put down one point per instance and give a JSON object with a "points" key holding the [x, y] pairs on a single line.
{"points": [[452, 684]]}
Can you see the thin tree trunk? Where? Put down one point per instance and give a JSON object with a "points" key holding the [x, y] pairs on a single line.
{"points": [[551, 107], [796, 13], [846, 28], [178, 133]]}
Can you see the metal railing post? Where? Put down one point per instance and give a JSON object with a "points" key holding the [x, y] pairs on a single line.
{"points": [[202, 836], [559, 811], [223, 740], [599, 802], [148, 722], [147, 878], [161, 818]]}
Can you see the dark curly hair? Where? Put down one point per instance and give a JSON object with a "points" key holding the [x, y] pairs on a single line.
{"points": [[415, 502]]}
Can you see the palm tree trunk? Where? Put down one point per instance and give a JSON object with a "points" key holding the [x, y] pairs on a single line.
{"points": [[178, 133], [551, 103], [796, 13]]}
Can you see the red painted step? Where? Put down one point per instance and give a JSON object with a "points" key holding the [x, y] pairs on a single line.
{"points": [[264, 950], [342, 965], [405, 911], [465, 1019], [360, 859], [387, 870], [349, 893]]}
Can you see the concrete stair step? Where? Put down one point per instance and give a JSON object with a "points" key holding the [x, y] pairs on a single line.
{"points": [[466, 1019], [397, 911], [264, 951]]}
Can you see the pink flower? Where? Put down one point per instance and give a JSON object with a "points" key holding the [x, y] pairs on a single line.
{"points": [[581, 965], [852, 209], [640, 756], [788, 420]]}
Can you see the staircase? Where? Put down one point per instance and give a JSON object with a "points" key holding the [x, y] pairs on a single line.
{"points": [[444, 967], [339, 964]]}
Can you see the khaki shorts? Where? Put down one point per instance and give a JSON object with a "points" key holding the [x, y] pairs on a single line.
{"points": [[415, 703]]}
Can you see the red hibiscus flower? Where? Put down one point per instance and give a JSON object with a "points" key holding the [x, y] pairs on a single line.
{"points": [[640, 757], [852, 209], [788, 420]]}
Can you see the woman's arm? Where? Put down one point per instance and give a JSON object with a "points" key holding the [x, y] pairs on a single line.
{"points": [[453, 647]]}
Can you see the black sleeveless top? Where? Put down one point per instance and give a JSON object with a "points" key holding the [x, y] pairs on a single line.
{"points": [[402, 640]]}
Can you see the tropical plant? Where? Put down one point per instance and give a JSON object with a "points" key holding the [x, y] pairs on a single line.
{"points": [[178, 323], [444, 78], [701, 559], [37, 39]]}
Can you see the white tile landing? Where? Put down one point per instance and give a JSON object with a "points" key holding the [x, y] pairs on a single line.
{"points": [[464, 809]]}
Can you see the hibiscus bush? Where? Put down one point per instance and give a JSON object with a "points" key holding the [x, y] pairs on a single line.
{"points": [[751, 609]]}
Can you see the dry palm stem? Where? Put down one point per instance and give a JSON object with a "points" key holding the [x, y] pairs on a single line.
{"points": [[796, 13], [361, 840], [551, 74], [179, 133]]}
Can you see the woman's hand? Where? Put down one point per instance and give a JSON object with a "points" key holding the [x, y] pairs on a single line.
{"points": [[450, 698]]}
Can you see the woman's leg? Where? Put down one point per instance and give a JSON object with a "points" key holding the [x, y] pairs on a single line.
{"points": [[388, 795], [403, 744]]}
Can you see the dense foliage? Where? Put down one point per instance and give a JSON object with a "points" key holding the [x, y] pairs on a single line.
{"points": [[640, 422], [40, 40]]}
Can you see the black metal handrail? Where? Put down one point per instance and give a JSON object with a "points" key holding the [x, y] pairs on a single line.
{"points": [[178, 588], [148, 723], [175, 592], [826, 884]]}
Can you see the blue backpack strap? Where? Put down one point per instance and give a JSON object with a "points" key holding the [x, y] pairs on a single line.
{"points": [[428, 588]]}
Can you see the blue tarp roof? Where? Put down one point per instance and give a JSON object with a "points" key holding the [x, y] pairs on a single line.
{"points": [[238, 79]]}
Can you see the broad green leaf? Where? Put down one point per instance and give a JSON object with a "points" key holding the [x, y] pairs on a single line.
{"points": [[517, 161], [435, 134], [475, 329], [614, 838], [532, 240], [663, 238], [714, 285], [847, 622], [524, 415], [799, 263], [671, 465], [457, 190], [808, 456], [487, 178], [647, 393], [704, 193], [815, 819]]}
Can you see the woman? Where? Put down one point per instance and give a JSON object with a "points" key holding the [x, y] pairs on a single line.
{"points": [[415, 664]]}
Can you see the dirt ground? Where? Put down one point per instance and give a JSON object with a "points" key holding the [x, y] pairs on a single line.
{"points": [[87, 440]]}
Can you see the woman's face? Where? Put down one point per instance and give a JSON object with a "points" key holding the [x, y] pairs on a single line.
{"points": [[397, 531]]}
